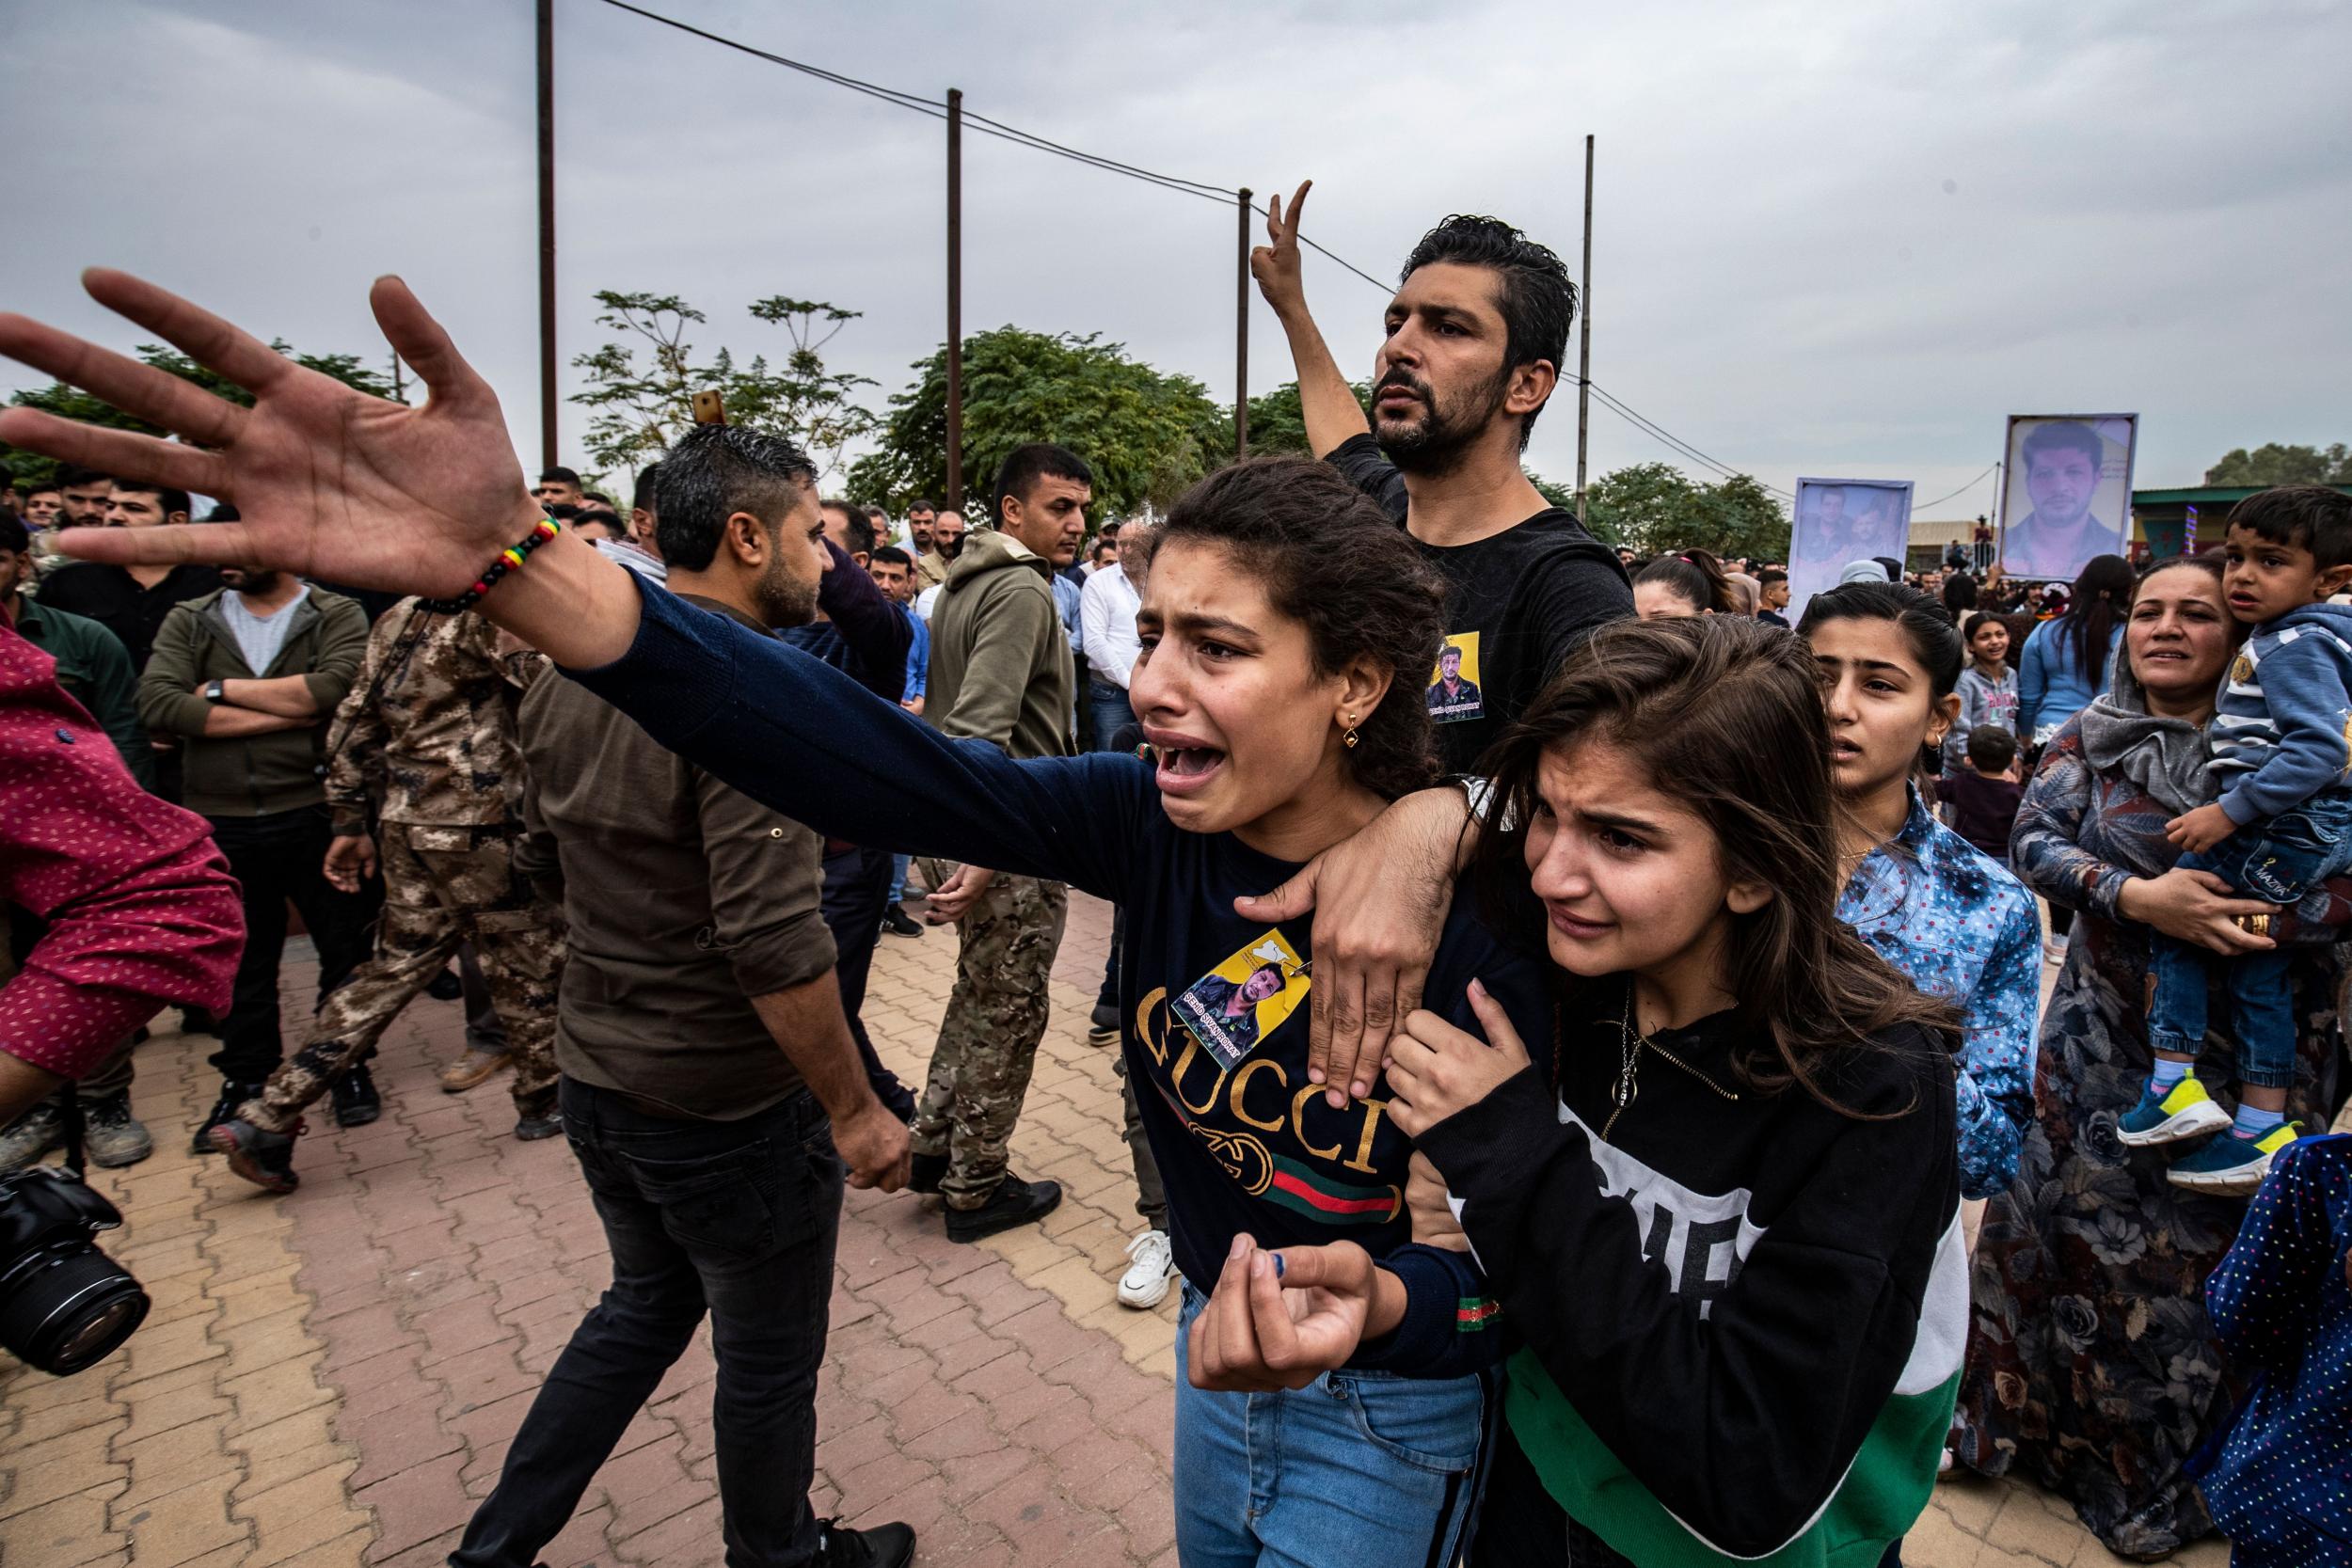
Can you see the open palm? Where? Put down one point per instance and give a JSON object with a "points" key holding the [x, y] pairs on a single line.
{"points": [[330, 483]]}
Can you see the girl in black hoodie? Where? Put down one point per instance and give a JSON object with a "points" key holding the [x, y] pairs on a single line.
{"points": [[1721, 1210]]}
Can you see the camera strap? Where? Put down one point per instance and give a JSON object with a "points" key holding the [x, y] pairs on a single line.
{"points": [[70, 1121]]}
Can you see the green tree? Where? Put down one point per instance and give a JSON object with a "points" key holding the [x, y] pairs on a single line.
{"points": [[2273, 463], [1656, 506], [1648, 507], [72, 403], [1146, 434], [641, 408], [1278, 426]]}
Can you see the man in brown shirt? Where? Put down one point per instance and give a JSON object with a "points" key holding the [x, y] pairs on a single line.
{"points": [[708, 1073]]}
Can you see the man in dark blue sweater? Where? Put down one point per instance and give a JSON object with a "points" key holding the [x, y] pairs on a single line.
{"points": [[859, 632]]}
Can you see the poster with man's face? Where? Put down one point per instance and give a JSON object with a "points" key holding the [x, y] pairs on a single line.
{"points": [[2068, 492], [1840, 521]]}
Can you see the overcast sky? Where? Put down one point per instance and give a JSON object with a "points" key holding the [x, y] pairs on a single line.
{"points": [[1842, 240]]}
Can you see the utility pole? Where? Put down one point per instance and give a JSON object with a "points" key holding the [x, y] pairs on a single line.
{"points": [[955, 299], [1241, 335], [399, 387], [548, 456], [1584, 344]]}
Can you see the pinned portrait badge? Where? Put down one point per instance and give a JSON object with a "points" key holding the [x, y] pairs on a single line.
{"points": [[1244, 999], [1453, 693]]}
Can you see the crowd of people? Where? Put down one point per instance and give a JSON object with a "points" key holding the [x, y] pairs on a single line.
{"points": [[1582, 1016]]}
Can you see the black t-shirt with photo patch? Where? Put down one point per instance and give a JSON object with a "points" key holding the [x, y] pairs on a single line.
{"points": [[1519, 603]]}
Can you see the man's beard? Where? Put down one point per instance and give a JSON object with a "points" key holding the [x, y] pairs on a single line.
{"points": [[1446, 431], [244, 580], [948, 548], [783, 600]]}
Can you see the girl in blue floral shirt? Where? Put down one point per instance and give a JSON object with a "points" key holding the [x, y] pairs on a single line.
{"points": [[1935, 907]]}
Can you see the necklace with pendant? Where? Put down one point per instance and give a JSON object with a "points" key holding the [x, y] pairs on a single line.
{"points": [[1628, 1087]]}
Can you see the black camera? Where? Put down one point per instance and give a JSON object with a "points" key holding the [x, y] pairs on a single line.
{"points": [[64, 1304]]}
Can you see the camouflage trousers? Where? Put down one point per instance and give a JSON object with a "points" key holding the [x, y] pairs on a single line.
{"points": [[986, 1046], [442, 886]]}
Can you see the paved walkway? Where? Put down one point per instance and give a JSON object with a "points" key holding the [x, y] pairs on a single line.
{"points": [[332, 1379]]}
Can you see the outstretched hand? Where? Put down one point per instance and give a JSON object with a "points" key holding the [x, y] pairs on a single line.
{"points": [[331, 483]]}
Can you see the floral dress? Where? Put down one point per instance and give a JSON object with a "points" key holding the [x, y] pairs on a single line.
{"points": [[2090, 1362]]}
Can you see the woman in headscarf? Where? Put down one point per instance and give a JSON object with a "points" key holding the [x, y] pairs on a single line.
{"points": [[2090, 1361]]}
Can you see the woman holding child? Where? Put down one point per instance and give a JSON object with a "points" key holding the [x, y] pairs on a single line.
{"points": [[2091, 1363]]}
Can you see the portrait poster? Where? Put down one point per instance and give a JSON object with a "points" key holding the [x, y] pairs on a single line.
{"points": [[1243, 999], [2066, 493], [1840, 521], [1453, 693]]}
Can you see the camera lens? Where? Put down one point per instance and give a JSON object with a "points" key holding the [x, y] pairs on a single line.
{"points": [[66, 1306]]}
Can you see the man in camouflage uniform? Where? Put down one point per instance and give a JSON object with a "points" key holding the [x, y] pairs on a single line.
{"points": [[1001, 671], [429, 732]]}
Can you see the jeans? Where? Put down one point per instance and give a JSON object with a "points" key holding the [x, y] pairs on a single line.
{"points": [[1111, 712], [857, 885], [898, 864], [736, 1218], [1362, 1470], [1519, 1526], [277, 858], [2277, 861]]}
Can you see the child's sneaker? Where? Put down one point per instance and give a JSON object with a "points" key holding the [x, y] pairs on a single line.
{"points": [[2185, 1112], [2233, 1165]]}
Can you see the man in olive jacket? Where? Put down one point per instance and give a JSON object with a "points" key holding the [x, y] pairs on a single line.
{"points": [[1001, 671], [247, 676]]}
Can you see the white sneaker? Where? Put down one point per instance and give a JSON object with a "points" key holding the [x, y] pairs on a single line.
{"points": [[2054, 950], [1144, 1284]]}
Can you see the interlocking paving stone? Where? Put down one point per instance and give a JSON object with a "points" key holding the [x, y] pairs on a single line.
{"points": [[333, 1378]]}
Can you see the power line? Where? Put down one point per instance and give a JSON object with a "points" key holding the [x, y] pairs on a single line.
{"points": [[1222, 194], [1961, 491]]}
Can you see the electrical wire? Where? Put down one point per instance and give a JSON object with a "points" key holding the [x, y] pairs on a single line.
{"points": [[987, 127], [1961, 491]]}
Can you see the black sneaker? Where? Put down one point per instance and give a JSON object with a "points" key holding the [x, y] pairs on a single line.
{"points": [[882, 1546], [1014, 1202], [1104, 1024], [531, 1126], [898, 923], [112, 1135], [264, 1159], [356, 1103], [445, 986], [925, 1172], [232, 1094]]}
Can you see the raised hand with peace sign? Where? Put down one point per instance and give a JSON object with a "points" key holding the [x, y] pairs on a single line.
{"points": [[1275, 263]]}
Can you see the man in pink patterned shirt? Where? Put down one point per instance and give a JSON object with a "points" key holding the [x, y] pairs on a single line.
{"points": [[139, 907]]}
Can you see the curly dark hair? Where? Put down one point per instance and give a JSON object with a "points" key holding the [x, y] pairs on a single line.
{"points": [[1330, 559]]}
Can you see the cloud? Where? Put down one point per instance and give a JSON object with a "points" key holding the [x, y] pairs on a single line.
{"points": [[1834, 238]]}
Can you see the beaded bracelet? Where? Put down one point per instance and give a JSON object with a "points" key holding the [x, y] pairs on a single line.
{"points": [[508, 559]]}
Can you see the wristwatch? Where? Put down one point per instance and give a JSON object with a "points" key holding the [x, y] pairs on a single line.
{"points": [[216, 692]]}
